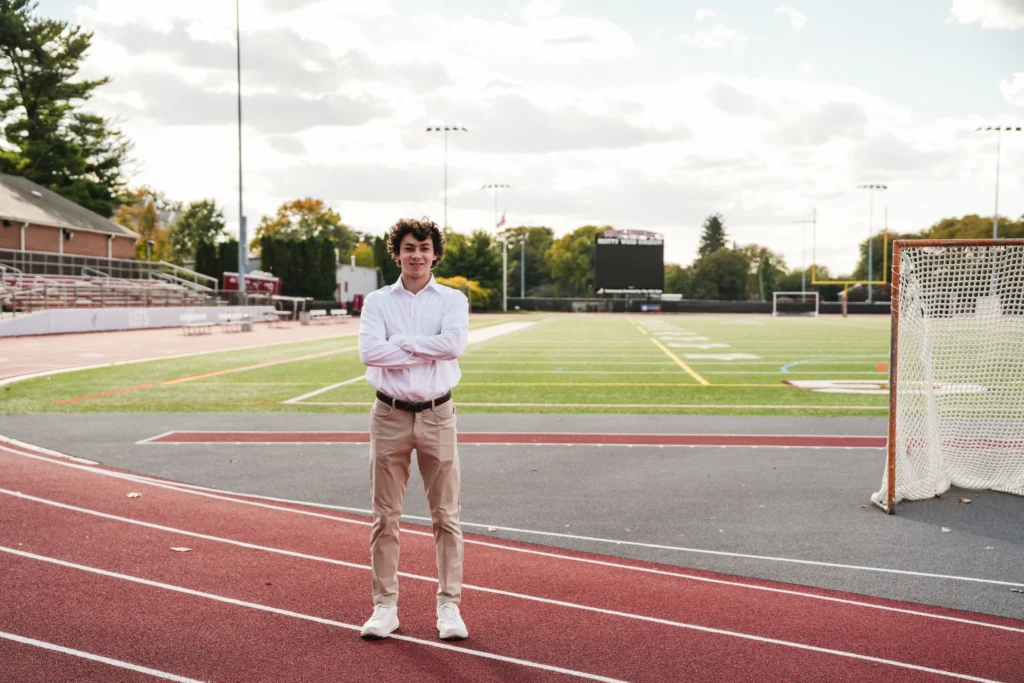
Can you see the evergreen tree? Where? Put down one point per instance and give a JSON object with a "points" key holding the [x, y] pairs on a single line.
{"points": [[713, 238], [48, 137]]}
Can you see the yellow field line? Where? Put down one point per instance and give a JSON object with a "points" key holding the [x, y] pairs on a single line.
{"points": [[678, 361]]}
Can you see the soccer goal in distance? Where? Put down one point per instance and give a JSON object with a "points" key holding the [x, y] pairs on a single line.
{"points": [[956, 369], [794, 303]]}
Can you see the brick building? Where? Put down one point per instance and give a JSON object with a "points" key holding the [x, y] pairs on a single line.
{"points": [[33, 218]]}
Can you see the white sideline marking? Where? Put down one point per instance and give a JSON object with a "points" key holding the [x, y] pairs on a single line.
{"points": [[97, 658], [325, 389], [475, 337], [213, 493], [483, 589], [60, 371], [308, 617]]}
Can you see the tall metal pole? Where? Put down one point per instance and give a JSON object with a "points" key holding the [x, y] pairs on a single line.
{"points": [[522, 264], [999, 134], [242, 237], [497, 187], [803, 247], [995, 214], [871, 218], [444, 129]]}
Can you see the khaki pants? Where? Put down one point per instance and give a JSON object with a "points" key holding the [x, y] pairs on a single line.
{"points": [[394, 434]]}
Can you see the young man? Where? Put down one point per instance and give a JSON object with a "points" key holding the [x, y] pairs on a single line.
{"points": [[410, 335]]}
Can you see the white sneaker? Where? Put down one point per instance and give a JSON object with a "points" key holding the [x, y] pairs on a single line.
{"points": [[382, 622], [450, 625]]}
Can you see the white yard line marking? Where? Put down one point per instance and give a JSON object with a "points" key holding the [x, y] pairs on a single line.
{"points": [[306, 617], [213, 493], [311, 394], [97, 658], [475, 337]]}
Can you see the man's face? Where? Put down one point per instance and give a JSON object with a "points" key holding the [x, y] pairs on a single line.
{"points": [[415, 256]]}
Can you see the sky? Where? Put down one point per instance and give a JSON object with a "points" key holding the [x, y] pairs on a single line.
{"points": [[643, 115]]}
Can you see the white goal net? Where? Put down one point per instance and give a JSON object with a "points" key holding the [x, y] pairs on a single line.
{"points": [[794, 303], [956, 369]]}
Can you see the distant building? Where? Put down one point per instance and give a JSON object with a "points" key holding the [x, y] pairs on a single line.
{"points": [[33, 218]]}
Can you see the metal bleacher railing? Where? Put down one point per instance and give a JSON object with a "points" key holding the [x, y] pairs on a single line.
{"points": [[31, 281]]}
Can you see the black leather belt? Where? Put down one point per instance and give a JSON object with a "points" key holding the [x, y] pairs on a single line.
{"points": [[413, 407]]}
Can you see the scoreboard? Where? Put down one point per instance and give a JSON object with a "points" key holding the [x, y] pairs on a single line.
{"points": [[629, 261]]}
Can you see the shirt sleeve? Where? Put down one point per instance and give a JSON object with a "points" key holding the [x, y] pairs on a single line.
{"points": [[374, 348], [450, 343]]}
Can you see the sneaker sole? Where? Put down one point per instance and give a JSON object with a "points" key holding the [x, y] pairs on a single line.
{"points": [[452, 636], [376, 635]]}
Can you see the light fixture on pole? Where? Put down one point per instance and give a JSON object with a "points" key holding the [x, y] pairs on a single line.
{"points": [[871, 187], [444, 129], [243, 250], [999, 134], [497, 187], [803, 247]]}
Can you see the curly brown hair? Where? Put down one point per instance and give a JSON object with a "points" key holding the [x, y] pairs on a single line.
{"points": [[421, 230]]}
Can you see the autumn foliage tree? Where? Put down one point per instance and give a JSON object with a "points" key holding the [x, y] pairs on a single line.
{"points": [[303, 219]]}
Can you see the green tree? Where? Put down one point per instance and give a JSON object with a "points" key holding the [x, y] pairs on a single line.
{"points": [[306, 267], [477, 258], [767, 267], [713, 237], [389, 270], [46, 135], [201, 223], [679, 280], [305, 218], [570, 259], [721, 275], [538, 241]]}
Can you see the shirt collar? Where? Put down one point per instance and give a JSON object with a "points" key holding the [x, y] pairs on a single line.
{"points": [[399, 285]]}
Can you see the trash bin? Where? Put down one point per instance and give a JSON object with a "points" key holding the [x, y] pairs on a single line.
{"points": [[303, 317]]}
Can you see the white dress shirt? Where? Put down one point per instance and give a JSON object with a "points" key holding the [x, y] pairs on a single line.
{"points": [[410, 342]]}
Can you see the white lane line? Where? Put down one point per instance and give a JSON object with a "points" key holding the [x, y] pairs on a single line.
{"points": [[484, 589], [203, 492], [146, 441], [97, 658], [326, 389], [307, 617]]}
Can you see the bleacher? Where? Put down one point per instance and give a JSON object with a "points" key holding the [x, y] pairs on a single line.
{"points": [[27, 292]]}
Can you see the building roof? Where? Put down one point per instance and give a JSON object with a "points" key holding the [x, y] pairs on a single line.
{"points": [[22, 200]]}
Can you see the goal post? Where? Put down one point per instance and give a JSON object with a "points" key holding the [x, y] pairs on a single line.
{"points": [[794, 303], [956, 369]]}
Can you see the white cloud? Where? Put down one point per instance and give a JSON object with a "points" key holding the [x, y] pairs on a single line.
{"points": [[701, 14], [997, 14], [538, 9], [807, 67], [717, 37], [1013, 89], [796, 19]]}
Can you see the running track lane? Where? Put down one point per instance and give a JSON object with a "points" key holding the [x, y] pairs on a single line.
{"points": [[779, 440], [606, 644]]}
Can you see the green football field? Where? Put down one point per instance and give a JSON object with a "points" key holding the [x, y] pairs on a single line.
{"points": [[683, 364]]}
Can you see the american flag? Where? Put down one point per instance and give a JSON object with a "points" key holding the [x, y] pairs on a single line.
{"points": [[502, 221]]}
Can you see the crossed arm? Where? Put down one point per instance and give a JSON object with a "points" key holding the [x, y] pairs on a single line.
{"points": [[405, 350]]}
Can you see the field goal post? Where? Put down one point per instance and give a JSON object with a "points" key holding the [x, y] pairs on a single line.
{"points": [[956, 368], [794, 303]]}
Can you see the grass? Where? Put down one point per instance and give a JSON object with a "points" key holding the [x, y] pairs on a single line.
{"points": [[576, 364]]}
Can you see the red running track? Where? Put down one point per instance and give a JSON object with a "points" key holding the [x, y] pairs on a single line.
{"points": [[548, 438], [274, 591]]}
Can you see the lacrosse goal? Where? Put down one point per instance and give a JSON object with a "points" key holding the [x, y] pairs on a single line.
{"points": [[794, 303], [956, 368]]}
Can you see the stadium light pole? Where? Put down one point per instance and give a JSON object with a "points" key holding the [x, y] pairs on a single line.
{"points": [[803, 247], [498, 187], [243, 250], [439, 129], [871, 187], [999, 134]]}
